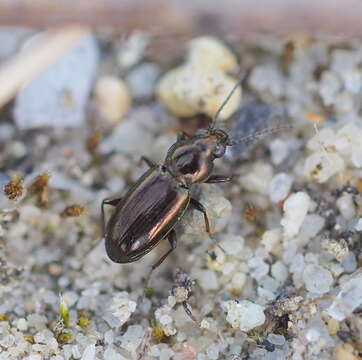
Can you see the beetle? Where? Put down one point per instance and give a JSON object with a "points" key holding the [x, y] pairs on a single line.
{"points": [[150, 210]]}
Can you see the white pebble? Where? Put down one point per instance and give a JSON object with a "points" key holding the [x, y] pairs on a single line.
{"points": [[258, 178], [295, 211], [267, 79], [166, 354], [22, 324], [279, 187], [312, 225], [64, 88], [276, 339], [75, 351], [358, 226], [34, 357], [112, 98], [349, 262], [330, 86], [213, 52], [123, 307], [279, 151], [212, 352], [111, 354], [109, 337], [201, 85], [238, 281], [317, 279], [279, 271], [89, 352], [312, 335], [321, 165], [349, 297], [244, 315], [208, 280], [272, 241], [142, 80], [165, 319], [346, 206], [258, 267], [233, 244], [132, 338]]}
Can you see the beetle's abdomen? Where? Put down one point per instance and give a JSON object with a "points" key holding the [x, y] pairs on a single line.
{"points": [[146, 214]]}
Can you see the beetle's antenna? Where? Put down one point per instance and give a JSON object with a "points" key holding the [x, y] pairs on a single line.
{"points": [[211, 126], [247, 138]]}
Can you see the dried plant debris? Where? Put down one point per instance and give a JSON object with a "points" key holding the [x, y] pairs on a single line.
{"points": [[14, 189], [280, 275]]}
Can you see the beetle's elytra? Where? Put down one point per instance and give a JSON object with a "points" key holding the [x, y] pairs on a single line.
{"points": [[150, 210]]}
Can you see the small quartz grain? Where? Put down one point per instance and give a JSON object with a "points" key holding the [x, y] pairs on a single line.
{"points": [[295, 211], [280, 186], [317, 279], [244, 315]]}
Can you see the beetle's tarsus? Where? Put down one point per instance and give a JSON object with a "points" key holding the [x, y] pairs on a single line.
{"points": [[189, 313]]}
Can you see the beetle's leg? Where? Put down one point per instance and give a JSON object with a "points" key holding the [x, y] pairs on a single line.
{"points": [[214, 179], [108, 201], [198, 206], [171, 237], [182, 136], [148, 161]]}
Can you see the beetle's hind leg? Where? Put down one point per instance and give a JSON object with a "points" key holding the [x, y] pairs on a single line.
{"points": [[198, 206], [171, 237], [108, 201]]}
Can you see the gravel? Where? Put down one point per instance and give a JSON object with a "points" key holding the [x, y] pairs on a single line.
{"points": [[279, 277]]}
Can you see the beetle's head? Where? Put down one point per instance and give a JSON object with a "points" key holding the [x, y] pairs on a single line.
{"points": [[191, 160], [214, 141]]}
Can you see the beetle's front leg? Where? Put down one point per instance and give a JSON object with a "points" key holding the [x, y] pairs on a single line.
{"points": [[182, 136], [198, 206], [148, 161], [214, 179], [108, 201], [171, 237]]}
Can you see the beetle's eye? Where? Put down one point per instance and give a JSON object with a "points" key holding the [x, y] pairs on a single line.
{"points": [[219, 150]]}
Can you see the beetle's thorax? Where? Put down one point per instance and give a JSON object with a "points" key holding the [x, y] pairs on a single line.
{"points": [[191, 161]]}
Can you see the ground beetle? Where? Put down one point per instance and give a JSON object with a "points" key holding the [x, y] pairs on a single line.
{"points": [[154, 205]]}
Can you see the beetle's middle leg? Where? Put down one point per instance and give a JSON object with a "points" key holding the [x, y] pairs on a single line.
{"points": [[108, 201], [214, 179], [171, 237], [198, 206]]}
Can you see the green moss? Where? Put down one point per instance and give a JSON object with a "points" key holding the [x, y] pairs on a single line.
{"points": [[3, 317], [64, 337], [64, 312], [83, 322], [29, 339], [148, 292], [157, 332]]}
